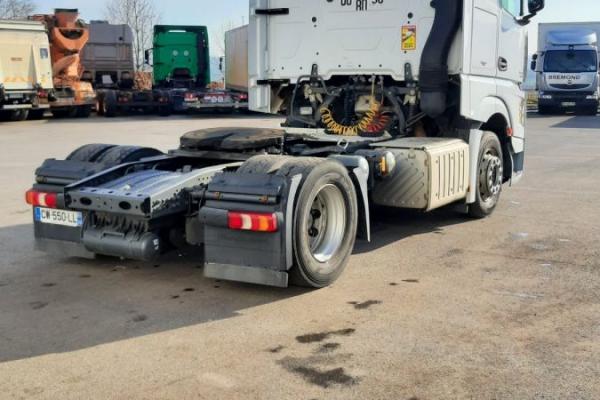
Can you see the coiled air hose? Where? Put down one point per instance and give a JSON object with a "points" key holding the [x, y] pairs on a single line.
{"points": [[374, 121], [364, 125]]}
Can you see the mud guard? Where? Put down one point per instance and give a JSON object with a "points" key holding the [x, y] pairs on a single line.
{"points": [[246, 256]]}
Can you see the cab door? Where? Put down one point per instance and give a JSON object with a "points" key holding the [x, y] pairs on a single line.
{"points": [[511, 67], [512, 43]]}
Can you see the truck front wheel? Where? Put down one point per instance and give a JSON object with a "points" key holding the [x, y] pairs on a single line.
{"points": [[490, 176]]}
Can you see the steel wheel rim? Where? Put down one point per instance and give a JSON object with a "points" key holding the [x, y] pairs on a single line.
{"points": [[326, 223], [491, 174]]}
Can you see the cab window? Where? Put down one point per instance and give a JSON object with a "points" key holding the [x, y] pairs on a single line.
{"points": [[513, 7]]}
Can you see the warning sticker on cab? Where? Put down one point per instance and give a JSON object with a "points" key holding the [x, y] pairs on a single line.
{"points": [[409, 37]]}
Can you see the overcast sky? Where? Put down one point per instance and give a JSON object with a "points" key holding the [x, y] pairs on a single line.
{"points": [[218, 13]]}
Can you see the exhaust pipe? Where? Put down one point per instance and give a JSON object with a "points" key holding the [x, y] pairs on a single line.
{"points": [[433, 74]]}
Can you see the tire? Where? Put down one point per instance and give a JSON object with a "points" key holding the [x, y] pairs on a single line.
{"points": [[62, 113], [110, 105], [125, 154], [327, 189], [19, 115], [590, 111], [165, 111], [545, 110], [36, 115], [89, 152], [490, 177], [84, 111], [100, 106]]}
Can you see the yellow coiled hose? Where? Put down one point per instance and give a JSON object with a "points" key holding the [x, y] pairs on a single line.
{"points": [[363, 125]]}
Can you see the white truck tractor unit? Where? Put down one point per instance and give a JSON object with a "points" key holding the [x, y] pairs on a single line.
{"points": [[25, 70], [411, 104], [567, 67]]}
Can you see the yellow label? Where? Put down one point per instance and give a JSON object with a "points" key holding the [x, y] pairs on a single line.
{"points": [[409, 37]]}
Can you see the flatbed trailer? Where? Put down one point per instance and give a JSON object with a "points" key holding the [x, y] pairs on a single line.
{"points": [[284, 206]]}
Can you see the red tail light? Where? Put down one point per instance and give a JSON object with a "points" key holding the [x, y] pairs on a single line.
{"points": [[42, 94], [243, 97], [242, 221], [190, 97], [41, 199]]}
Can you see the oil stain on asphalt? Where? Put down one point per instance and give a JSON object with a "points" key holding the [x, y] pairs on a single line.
{"points": [[365, 305], [307, 369], [38, 305], [319, 337]]}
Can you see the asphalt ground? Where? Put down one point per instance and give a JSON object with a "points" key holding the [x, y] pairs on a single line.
{"points": [[437, 306]]}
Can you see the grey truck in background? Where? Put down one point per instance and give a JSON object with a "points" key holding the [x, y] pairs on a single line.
{"points": [[567, 67]]}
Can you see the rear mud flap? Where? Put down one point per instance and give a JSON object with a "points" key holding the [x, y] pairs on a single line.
{"points": [[248, 256]]}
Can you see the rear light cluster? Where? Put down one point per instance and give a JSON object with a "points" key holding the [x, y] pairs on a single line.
{"points": [[41, 199], [190, 97], [42, 94], [256, 222], [243, 97]]}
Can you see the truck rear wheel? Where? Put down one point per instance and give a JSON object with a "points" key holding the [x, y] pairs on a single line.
{"points": [[89, 152], [125, 154], [36, 114], [110, 106], [490, 176], [84, 111], [325, 226], [325, 219]]}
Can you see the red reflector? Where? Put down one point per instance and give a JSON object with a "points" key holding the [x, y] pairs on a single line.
{"points": [[252, 222], [41, 199]]}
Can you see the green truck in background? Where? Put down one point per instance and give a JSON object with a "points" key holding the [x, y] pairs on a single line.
{"points": [[181, 64], [181, 56]]}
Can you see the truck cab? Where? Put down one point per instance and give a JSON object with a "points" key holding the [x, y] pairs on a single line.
{"points": [[567, 68]]}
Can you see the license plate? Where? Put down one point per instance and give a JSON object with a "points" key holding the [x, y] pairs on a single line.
{"points": [[58, 217], [568, 104]]}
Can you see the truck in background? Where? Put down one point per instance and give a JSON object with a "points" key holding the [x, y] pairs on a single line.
{"points": [[25, 70], [235, 62], [72, 97], [567, 65], [109, 67], [181, 64]]}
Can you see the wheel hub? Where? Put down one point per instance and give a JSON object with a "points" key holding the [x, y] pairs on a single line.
{"points": [[326, 223], [490, 176]]}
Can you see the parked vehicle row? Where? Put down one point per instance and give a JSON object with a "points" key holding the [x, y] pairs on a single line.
{"points": [[58, 63]]}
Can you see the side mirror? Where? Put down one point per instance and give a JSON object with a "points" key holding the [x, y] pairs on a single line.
{"points": [[221, 59], [535, 6], [147, 56], [534, 65]]}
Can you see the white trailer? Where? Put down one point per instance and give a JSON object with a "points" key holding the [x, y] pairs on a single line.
{"points": [[236, 59], [403, 104], [25, 69]]}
